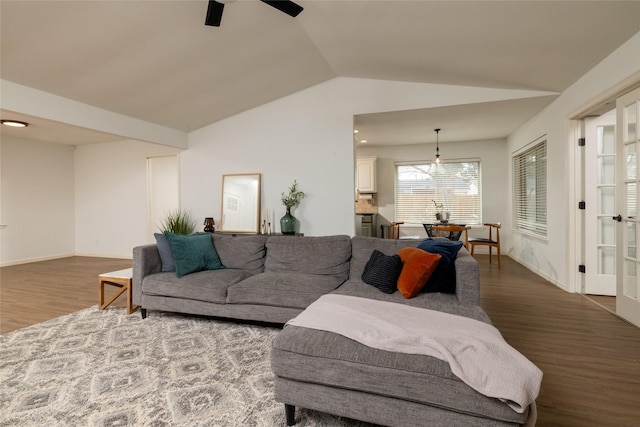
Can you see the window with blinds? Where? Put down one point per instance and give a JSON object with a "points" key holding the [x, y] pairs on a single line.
{"points": [[530, 189], [421, 188]]}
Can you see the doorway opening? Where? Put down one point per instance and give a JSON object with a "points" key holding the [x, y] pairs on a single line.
{"points": [[605, 181]]}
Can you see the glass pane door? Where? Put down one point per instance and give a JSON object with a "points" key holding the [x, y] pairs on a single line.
{"points": [[600, 198], [606, 201], [628, 286]]}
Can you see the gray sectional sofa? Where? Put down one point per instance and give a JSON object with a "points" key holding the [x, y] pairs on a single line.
{"points": [[274, 278]]}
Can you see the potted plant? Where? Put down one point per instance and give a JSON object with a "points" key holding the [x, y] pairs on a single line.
{"points": [[178, 222], [288, 223], [441, 214]]}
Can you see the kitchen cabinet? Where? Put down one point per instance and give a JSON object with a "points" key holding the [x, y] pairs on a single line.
{"points": [[366, 175]]}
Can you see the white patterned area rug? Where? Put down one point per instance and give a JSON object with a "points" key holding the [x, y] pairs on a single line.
{"points": [[104, 368]]}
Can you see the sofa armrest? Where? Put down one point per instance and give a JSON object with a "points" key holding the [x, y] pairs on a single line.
{"points": [[146, 261], [467, 279]]}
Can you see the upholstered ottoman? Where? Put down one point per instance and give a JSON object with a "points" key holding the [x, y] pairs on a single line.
{"points": [[328, 372]]}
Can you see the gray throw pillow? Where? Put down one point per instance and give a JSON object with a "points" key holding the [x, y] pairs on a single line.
{"points": [[165, 252]]}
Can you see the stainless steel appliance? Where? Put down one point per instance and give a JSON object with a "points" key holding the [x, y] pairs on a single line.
{"points": [[366, 225]]}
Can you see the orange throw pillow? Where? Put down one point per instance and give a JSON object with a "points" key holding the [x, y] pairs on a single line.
{"points": [[417, 267]]}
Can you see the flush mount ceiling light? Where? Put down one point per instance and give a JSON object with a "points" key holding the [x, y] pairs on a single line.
{"points": [[436, 159], [14, 123], [357, 139]]}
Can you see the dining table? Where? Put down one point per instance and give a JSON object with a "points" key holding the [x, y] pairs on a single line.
{"points": [[450, 231]]}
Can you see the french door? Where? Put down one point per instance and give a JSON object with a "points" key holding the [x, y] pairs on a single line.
{"points": [[600, 198], [628, 232]]}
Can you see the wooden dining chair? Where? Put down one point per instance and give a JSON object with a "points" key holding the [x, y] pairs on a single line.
{"points": [[453, 232], [391, 231], [493, 241]]}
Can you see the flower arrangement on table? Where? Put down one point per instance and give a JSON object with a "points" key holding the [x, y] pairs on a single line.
{"points": [[441, 214], [292, 199], [288, 223]]}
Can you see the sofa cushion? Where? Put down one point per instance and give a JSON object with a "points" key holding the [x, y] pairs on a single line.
{"points": [[362, 248], [326, 255], [164, 249], [382, 271], [443, 278], [291, 289], [320, 357], [433, 301], [193, 252], [209, 286], [417, 268], [242, 252]]}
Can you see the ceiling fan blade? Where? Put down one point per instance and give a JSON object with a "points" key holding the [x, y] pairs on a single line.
{"points": [[288, 7], [214, 13]]}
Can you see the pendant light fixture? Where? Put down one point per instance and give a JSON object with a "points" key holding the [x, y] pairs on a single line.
{"points": [[436, 159]]}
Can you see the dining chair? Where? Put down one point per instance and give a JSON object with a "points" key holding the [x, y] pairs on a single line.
{"points": [[493, 241], [453, 232], [429, 229], [391, 231]]}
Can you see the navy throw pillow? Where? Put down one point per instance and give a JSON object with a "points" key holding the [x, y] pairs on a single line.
{"points": [[382, 271], [165, 252], [443, 278]]}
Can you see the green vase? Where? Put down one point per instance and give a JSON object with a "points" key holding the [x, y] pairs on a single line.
{"points": [[289, 224]]}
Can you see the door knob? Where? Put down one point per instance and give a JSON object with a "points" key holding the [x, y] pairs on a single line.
{"points": [[617, 218]]}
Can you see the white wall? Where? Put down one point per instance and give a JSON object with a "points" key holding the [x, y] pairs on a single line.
{"points": [[550, 257], [307, 136], [494, 176], [37, 200], [111, 197]]}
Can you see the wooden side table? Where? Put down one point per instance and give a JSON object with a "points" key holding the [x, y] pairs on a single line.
{"points": [[121, 279]]}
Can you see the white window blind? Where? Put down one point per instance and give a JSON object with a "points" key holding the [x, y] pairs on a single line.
{"points": [[530, 189], [455, 185]]}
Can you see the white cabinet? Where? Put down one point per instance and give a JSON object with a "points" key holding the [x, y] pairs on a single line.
{"points": [[366, 175]]}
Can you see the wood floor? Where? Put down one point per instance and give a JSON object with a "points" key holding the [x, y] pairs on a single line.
{"points": [[590, 358], [39, 291]]}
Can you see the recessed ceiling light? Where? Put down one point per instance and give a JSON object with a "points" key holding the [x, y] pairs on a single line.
{"points": [[364, 141], [356, 131], [14, 123]]}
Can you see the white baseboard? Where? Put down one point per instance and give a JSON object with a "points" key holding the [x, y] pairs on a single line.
{"points": [[119, 256], [37, 259], [541, 274], [48, 258]]}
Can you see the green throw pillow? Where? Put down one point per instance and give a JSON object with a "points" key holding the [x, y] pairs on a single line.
{"points": [[194, 252]]}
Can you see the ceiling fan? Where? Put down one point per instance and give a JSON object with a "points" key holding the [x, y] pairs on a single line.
{"points": [[214, 11]]}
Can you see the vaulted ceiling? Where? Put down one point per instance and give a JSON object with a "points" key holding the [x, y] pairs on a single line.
{"points": [[157, 61]]}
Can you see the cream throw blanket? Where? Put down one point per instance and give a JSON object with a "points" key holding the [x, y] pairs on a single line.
{"points": [[476, 351]]}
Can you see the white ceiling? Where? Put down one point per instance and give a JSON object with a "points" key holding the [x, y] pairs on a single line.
{"points": [[470, 122], [157, 61]]}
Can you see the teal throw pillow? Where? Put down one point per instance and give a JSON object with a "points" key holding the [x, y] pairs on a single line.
{"points": [[194, 252]]}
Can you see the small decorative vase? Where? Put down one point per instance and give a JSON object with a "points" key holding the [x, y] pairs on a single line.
{"points": [[289, 224], [442, 216]]}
